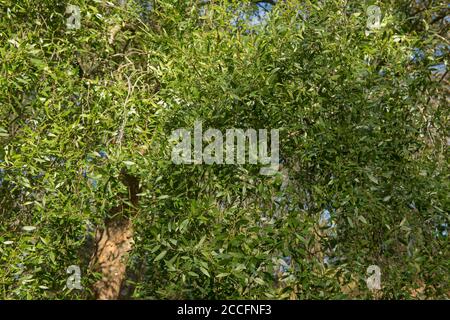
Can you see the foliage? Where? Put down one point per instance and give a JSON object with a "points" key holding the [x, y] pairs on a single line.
{"points": [[363, 125]]}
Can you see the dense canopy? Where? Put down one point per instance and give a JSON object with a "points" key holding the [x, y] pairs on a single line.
{"points": [[88, 106]]}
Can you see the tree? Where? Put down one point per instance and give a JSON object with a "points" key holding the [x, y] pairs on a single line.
{"points": [[85, 125]]}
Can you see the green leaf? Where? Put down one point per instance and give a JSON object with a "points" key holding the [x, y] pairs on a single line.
{"points": [[362, 219], [222, 275], [160, 256], [28, 228], [372, 178], [204, 271]]}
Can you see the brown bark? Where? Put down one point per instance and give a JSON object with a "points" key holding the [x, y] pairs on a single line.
{"points": [[113, 243], [111, 257]]}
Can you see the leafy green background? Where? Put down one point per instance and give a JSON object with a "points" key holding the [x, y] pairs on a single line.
{"points": [[363, 125]]}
